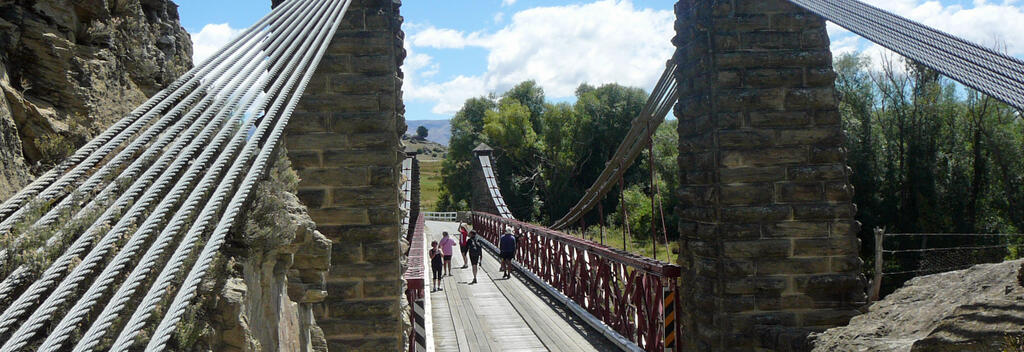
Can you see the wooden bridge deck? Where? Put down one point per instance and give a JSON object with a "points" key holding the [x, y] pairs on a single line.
{"points": [[496, 314]]}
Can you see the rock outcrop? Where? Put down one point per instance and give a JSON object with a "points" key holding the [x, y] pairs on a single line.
{"points": [[976, 309], [69, 69], [269, 276]]}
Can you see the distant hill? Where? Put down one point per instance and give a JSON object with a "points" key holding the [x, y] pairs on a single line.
{"points": [[428, 150], [438, 131]]}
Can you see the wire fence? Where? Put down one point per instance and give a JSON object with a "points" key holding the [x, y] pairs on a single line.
{"points": [[900, 257]]}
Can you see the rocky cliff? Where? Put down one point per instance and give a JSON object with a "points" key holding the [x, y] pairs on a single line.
{"points": [[976, 309], [262, 290], [68, 69]]}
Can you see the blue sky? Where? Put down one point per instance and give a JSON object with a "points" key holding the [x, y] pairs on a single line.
{"points": [[459, 49]]}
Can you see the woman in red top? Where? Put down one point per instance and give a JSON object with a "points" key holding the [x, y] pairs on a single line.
{"points": [[463, 244]]}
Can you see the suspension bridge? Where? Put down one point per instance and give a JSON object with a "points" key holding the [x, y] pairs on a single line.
{"points": [[135, 218]]}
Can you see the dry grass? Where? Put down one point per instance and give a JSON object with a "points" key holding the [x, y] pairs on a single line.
{"points": [[430, 184]]}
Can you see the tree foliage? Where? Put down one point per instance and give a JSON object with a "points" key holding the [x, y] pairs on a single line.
{"points": [[929, 156], [547, 154], [422, 132]]}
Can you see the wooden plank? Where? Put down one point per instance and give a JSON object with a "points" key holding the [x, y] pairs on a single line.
{"points": [[550, 322], [502, 315]]}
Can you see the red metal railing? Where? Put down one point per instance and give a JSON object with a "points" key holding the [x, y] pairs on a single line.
{"points": [[414, 275], [623, 290]]}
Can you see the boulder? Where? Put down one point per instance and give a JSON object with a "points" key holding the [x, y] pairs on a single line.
{"points": [[976, 309]]}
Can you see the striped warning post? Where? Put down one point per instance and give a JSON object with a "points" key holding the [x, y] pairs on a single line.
{"points": [[419, 324], [670, 318]]}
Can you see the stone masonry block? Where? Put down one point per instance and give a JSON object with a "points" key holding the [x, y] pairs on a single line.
{"points": [[342, 290], [359, 233], [792, 192], [334, 176], [796, 229], [362, 196], [358, 327], [744, 194], [763, 157], [846, 245], [779, 119], [356, 309], [817, 172], [757, 249], [314, 141], [366, 271], [775, 266], [752, 174], [340, 216], [754, 214], [304, 159], [376, 157]]}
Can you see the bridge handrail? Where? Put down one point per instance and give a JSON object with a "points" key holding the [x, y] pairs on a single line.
{"points": [[441, 215], [627, 293], [415, 270], [649, 265]]}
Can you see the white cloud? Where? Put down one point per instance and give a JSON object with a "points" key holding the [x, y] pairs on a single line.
{"points": [[211, 38], [559, 47], [498, 17], [508, 2]]}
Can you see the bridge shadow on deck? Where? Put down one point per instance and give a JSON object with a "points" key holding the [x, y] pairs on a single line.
{"points": [[498, 314]]}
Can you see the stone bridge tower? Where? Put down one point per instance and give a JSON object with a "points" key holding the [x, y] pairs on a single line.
{"points": [[344, 142], [481, 194], [769, 246]]}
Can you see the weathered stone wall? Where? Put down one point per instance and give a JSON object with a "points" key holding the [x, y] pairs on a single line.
{"points": [[344, 141], [769, 244]]}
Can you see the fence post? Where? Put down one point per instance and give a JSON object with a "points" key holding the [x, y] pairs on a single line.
{"points": [[876, 282]]}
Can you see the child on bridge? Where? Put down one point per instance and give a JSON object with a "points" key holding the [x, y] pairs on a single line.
{"points": [[446, 248], [435, 267], [463, 244]]}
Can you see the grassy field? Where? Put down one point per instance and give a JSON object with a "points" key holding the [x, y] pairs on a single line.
{"points": [[430, 184], [613, 239]]}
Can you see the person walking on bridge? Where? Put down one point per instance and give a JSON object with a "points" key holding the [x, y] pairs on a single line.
{"points": [[446, 248], [507, 250], [476, 251], [435, 267], [463, 244]]}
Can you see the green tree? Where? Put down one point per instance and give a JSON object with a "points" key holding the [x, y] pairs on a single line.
{"points": [[467, 132], [422, 132]]}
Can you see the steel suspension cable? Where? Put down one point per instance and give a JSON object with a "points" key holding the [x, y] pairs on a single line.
{"points": [[109, 314], [7, 285], [51, 183], [992, 73], [194, 85], [191, 283], [661, 100], [40, 286], [125, 256]]}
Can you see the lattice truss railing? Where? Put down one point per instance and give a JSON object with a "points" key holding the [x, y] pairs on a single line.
{"points": [[155, 195], [626, 292]]}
